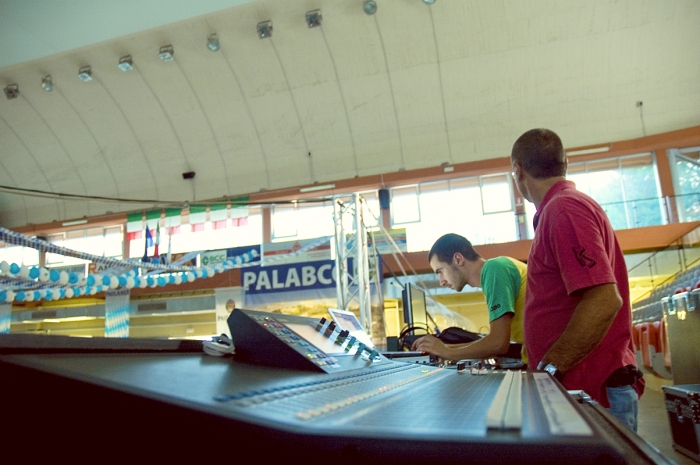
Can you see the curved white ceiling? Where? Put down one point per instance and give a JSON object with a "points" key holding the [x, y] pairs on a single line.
{"points": [[410, 87]]}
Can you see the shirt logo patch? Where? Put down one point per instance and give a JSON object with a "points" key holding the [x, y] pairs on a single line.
{"points": [[582, 257], [495, 307]]}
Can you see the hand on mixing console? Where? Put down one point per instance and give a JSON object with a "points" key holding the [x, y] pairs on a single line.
{"points": [[431, 345]]}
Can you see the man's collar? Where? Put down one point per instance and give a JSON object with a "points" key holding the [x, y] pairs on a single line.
{"points": [[556, 188]]}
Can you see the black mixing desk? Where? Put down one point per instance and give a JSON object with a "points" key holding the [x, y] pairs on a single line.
{"points": [[166, 400]]}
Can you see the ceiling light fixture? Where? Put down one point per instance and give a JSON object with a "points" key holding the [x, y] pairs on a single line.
{"points": [[317, 188], [265, 29], [213, 43], [314, 18], [11, 91], [166, 53], [370, 7], [85, 74], [47, 83], [126, 64], [428, 2], [603, 149]]}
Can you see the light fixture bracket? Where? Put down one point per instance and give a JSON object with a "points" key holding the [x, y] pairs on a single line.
{"points": [[166, 53], [213, 42], [47, 83], [314, 18], [11, 91], [85, 74], [370, 7], [265, 29], [126, 64]]}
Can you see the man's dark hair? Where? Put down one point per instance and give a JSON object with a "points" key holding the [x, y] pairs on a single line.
{"points": [[540, 153], [448, 245]]}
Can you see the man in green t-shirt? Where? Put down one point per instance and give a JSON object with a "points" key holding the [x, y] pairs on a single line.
{"points": [[502, 280]]}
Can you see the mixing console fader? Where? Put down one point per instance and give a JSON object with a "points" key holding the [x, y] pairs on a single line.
{"points": [[288, 341]]}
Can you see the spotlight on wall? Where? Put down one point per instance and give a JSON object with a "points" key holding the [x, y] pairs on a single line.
{"points": [[213, 43], [428, 2], [126, 63], [314, 18], [85, 74], [166, 53], [188, 175], [47, 83], [370, 7], [11, 91], [265, 29]]}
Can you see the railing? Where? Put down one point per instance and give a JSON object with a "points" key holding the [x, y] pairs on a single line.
{"points": [[665, 268]]}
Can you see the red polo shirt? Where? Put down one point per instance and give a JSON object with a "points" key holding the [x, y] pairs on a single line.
{"points": [[574, 248]]}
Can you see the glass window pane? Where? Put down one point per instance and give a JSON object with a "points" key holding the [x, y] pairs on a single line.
{"points": [[404, 205], [496, 194], [284, 221]]}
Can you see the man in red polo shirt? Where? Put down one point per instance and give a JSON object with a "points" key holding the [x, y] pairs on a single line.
{"points": [[578, 321]]}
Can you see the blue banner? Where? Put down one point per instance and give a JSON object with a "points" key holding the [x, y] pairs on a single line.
{"points": [[289, 277]]}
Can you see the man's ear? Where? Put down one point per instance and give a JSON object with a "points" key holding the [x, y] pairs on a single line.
{"points": [[458, 258]]}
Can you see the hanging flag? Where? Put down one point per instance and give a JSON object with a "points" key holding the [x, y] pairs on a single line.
{"points": [[239, 211], [149, 243], [157, 243], [170, 242], [134, 226]]}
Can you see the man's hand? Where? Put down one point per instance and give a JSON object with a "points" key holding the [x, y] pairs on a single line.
{"points": [[430, 345]]}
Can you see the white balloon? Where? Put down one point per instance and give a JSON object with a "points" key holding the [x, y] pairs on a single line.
{"points": [[143, 282], [63, 278], [30, 296], [4, 266], [113, 282], [69, 293], [24, 271], [43, 275], [93, 291], [190, 277], [10, 296], [130, 282]]}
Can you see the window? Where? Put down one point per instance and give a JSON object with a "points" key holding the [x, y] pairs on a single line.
{"points": [[479, 208], [626, 188], [686, 178]]}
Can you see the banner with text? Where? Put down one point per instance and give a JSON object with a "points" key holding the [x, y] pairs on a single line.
{"points": [[117, 313], [226, 299], [5, 317]]}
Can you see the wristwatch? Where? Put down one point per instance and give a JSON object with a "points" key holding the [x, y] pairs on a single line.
{"points": [[551, 369]]}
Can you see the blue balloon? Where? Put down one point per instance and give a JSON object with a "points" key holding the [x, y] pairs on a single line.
{"points": [[49, 295], [54, 275], [34, 272], [14, 268], [205, 274], [106, 280], [37, 295], [161, 281], [137, 281], [73, 277], [61, 293], [3, 296], [155, 261], [149, 281], [90, 280], [171, 279], [122, 281], [76, 292], [20, 296]]}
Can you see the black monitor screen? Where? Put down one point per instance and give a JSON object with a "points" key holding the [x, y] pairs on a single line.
{"points": [[415, 312]]}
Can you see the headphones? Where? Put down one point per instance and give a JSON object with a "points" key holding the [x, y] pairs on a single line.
{"points": [[219, 346]]}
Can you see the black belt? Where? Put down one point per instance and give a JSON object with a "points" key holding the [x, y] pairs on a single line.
{"points": [[625, 376]]}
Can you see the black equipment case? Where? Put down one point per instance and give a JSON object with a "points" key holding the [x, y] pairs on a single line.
{"points": [[683, 407]]}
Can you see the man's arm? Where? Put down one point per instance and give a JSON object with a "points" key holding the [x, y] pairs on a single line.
{"points": [[588, 326], [494, 344]]}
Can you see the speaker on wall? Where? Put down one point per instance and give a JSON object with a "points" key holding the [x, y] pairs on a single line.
{"points": [[384, 199]]}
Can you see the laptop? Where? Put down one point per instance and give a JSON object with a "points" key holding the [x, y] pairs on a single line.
{"points": [[347, 320]]}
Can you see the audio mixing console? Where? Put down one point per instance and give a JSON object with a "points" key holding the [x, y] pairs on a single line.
{"points": [[296, 388]]}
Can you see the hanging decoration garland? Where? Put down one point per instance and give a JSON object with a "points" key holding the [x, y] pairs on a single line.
{"points": [[27, 284]]}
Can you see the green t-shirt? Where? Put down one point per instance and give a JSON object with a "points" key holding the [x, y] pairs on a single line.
{"points": [[503, 281]]}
